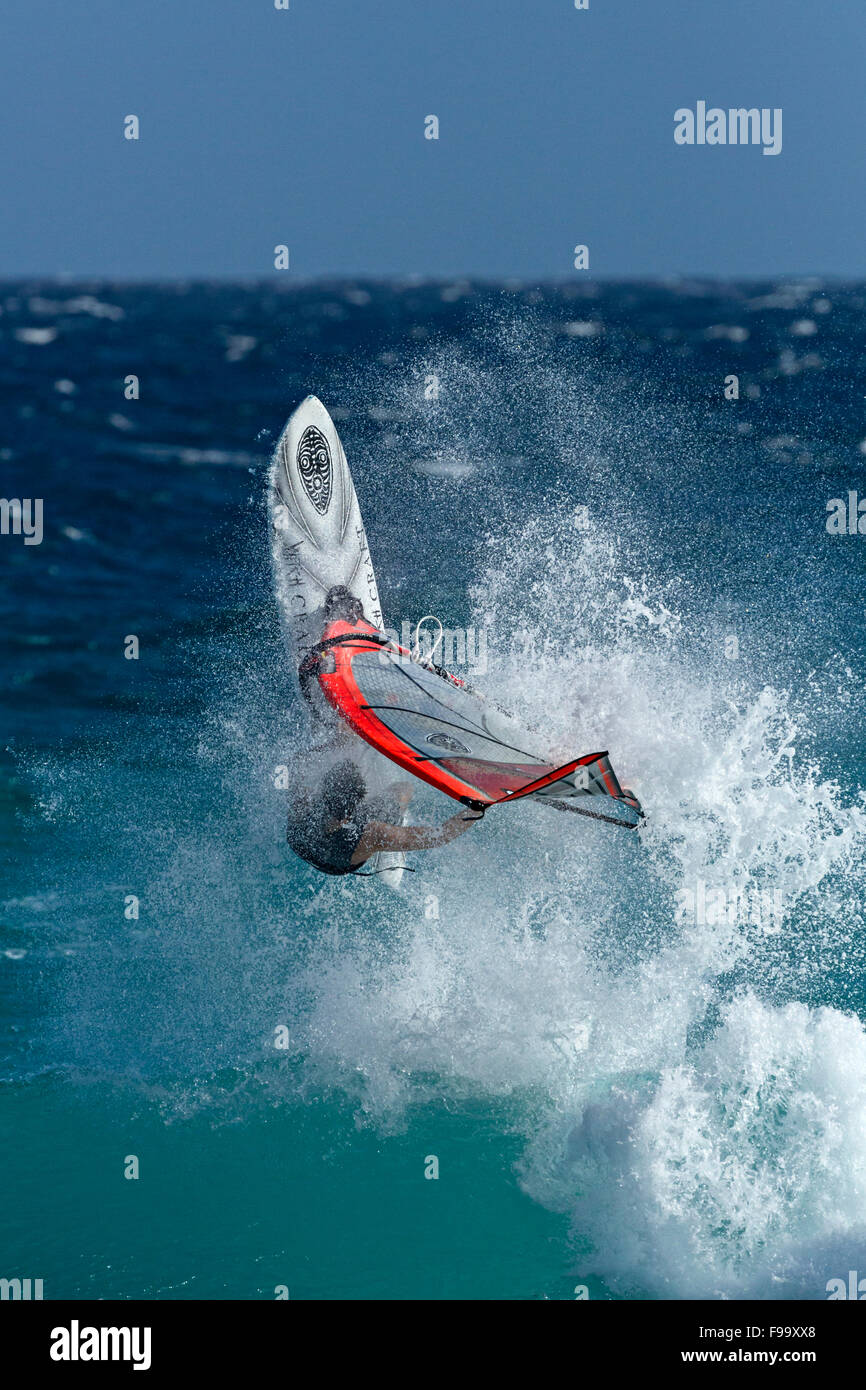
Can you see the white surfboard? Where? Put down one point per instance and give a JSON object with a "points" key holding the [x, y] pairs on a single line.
{"points": [[318, 540], [318, 535]]}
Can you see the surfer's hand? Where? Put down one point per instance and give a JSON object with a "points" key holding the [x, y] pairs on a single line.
{"points": [[459, 824]]}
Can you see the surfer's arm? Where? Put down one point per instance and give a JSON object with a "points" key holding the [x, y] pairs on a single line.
{"points": [[379, 836]]}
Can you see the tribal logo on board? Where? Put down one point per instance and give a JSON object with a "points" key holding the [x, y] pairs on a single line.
{"points": [[314, 466]]}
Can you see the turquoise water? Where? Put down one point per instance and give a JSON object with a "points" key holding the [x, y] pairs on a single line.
{"points": [[327, 1211], [618, 1095]]}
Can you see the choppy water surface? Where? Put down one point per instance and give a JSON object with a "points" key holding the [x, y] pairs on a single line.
{"points": [[621, 1091]]}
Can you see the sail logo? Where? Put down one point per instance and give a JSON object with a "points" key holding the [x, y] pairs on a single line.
{"points": [[22, 517], [453, 745], [854, 1289], [736, 126], [23, 1289], [76, 1343], [847, 519]]}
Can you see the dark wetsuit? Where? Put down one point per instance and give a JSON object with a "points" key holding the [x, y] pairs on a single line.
{"points": [[331, 851]]}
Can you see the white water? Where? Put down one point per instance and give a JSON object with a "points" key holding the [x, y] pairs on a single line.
{"points": [[704, 1129]]}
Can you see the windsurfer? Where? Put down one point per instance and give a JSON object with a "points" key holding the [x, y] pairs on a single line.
{"points": [[338, 827]]}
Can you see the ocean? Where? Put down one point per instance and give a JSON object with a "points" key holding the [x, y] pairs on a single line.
{"points": [[637, 1060]]}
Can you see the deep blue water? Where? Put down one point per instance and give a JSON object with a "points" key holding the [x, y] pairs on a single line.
{"points": [[618, 1097]]}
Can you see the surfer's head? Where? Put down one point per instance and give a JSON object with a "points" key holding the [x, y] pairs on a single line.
{"points": [[343, 788], [341, 605]]}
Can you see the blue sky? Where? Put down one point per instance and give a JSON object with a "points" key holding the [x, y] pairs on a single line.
{"points": [[306, 127]]}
